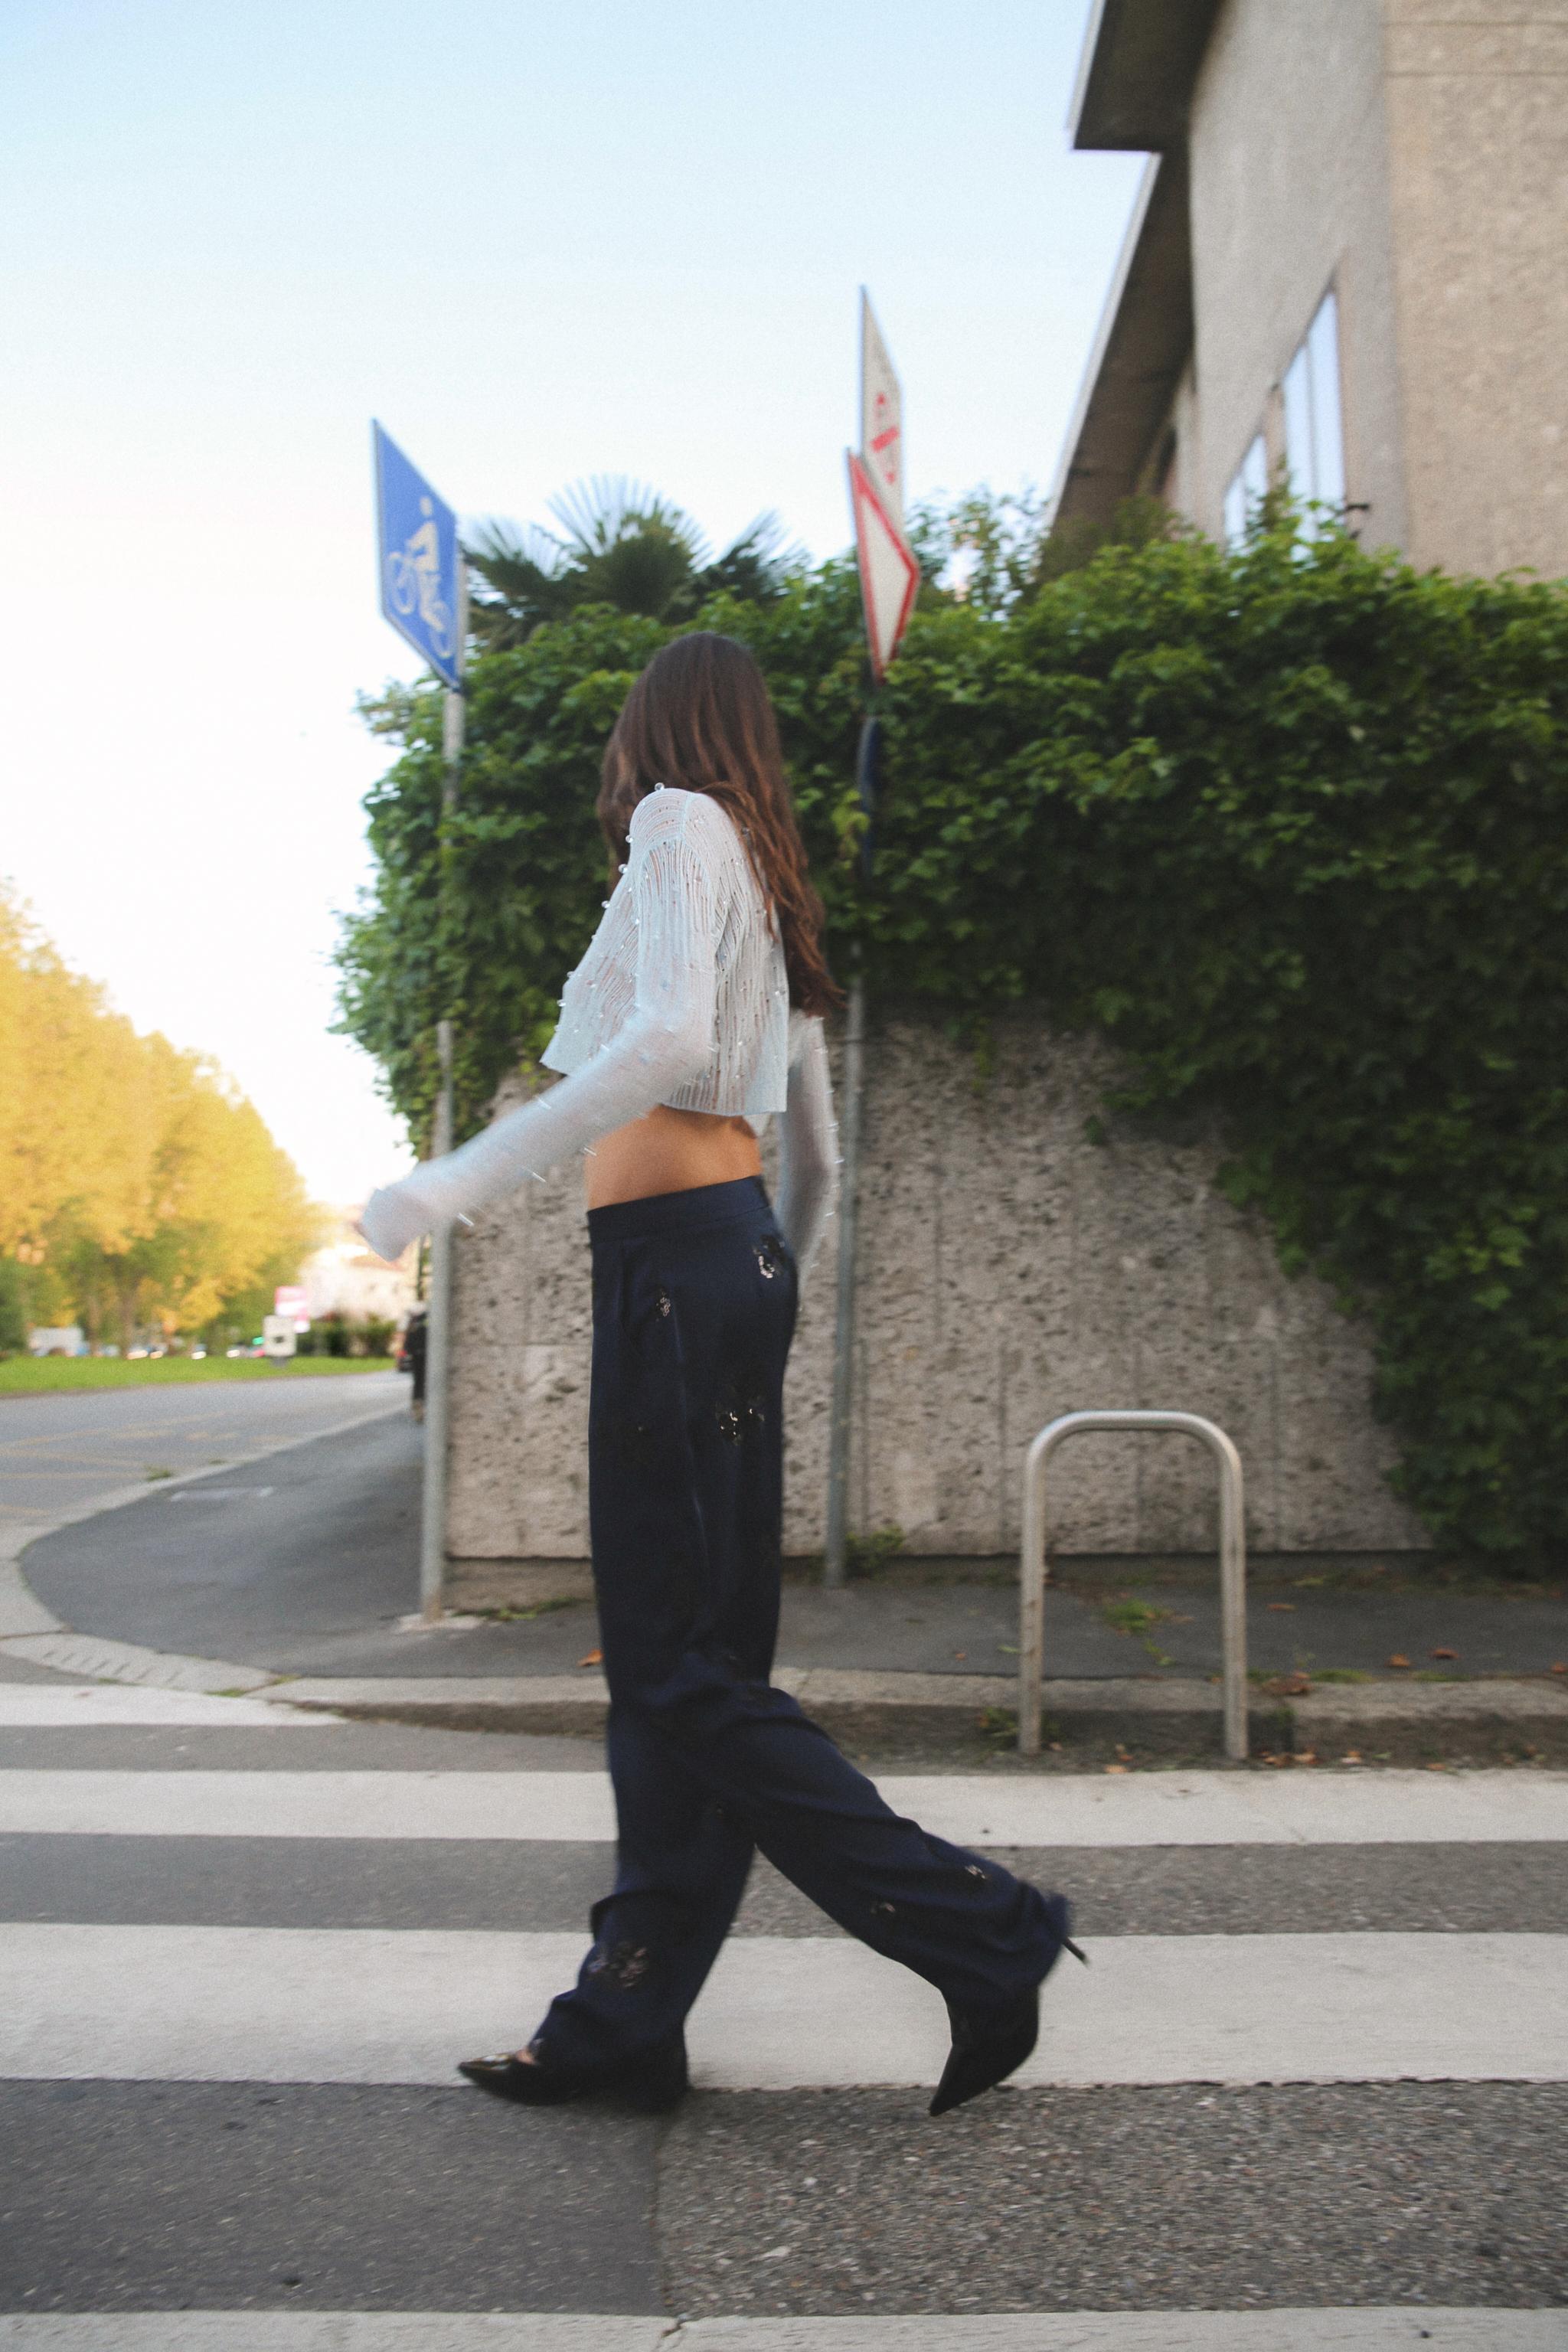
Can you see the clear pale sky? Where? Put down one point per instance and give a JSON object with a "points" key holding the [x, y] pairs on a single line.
{"points": [[538, 241]]}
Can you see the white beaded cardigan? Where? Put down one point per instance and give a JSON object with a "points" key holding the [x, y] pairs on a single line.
{"points": [[682, 998]]}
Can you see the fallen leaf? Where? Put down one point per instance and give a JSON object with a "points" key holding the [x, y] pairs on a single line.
{"points": [[594, 1658], [1286, 1606], [1561, 1667], [1116, 1767], [1294, 1685], [1351, 1756], [1306, 1756], [1436, 1768], [1445, 1654], [961, 1653], [1398, 1659]]}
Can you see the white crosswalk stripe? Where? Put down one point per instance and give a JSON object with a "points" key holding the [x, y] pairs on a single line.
{"points": [[1191, 1809], [107, 2000], [1103, 2331], [354, 2005]]}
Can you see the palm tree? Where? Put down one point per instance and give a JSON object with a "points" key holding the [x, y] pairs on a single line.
{"points": [[619, 543]]}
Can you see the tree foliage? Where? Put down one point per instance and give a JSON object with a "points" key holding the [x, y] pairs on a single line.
{"points": [[1289, 825], [619, 544], [136, 1185]]}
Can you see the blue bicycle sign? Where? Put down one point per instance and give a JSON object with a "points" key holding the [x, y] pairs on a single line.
{"points": [[419, 561]]}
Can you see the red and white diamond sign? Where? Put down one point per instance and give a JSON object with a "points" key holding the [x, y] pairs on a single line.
{"points": [[889, 576]]}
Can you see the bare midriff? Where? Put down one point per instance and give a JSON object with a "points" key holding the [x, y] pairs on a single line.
{"points": [[669, 1151]]}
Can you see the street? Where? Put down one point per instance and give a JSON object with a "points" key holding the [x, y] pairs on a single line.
{"points": [[59, 1452], [1321, 2064]]}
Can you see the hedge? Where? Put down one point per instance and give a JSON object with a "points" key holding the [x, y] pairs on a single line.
{"points": [[1289, 825]]}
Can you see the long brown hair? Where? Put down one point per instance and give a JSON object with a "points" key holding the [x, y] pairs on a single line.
{"points": [[700, 717]]}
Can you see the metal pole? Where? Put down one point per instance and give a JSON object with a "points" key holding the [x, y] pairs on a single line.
{"points": [[836, 1549], [1232, 1564], [438, 1310]]}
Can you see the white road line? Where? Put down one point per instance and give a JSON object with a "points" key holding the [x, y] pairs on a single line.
{"points": [[1144, 1809], [52, 1706], [332, 2005], [1359, 2330]]}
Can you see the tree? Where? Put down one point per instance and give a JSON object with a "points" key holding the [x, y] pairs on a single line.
{"points": [[619, 544], [136, 1184]]}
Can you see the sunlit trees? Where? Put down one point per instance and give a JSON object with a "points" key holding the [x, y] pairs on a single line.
{"points": [[137, 1186]]}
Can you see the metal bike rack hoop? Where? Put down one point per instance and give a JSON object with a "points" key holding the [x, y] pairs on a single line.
{"points": [[1232, 1564]]}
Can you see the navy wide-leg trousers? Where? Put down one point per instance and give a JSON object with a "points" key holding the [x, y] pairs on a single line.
{"points": [[694, 1306]]}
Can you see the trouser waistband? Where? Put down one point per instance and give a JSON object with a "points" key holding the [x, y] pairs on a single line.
{"points": [[734, 1202]]}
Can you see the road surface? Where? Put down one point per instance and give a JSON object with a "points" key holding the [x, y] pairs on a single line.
{"points": [[1320, 2067], [60, 1451]]}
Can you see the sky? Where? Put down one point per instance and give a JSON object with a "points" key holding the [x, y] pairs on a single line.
{"points": [[540, 239]]}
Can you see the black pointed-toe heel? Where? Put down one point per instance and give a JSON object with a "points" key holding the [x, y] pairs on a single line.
{"points": [[650, 2084], [989, 2046]]}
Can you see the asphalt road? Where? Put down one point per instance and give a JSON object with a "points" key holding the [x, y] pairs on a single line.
{"points": [[58, 1452], [206, 2187]]}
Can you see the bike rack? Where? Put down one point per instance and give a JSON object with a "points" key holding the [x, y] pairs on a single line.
{"points": [[1231, 1565]]}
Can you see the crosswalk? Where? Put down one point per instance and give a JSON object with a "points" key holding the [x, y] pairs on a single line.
{"points": [[1321, 2042]]}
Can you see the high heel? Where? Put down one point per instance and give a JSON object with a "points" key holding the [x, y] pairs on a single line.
{"points": [[990, 2045], [651, 2082]]}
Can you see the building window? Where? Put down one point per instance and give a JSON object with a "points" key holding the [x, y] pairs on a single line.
{"points": [[1314, 438], [1248, 486]]}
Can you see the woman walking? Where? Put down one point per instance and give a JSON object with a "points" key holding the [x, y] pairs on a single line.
{"points": [[695, 1015]]}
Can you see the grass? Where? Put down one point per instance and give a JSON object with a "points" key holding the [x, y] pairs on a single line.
{"points": [[1133, 1616], [44, 1375], [507, 1615]]}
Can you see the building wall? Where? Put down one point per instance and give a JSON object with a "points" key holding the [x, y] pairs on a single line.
{"points": [[346, 1277], [1011, 1270], [1289, 193], [1478, 115]]}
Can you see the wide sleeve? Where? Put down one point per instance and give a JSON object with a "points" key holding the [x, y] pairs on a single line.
{"points": [[672, 876], [808, 1143]]}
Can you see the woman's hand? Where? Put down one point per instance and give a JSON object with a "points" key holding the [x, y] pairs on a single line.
{"points": [[392, 1218]]}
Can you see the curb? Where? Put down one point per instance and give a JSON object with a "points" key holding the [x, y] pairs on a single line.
{"points": [[1162, 1719]]}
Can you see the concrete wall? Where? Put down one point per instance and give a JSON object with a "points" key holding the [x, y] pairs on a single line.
{"points": [[1290, 194], [1478, 116], [1011, 1270]]}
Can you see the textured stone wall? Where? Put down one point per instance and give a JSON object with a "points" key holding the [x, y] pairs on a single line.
{"points": [[1010, 1270]]}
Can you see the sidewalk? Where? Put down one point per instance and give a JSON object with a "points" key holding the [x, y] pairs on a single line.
{"points": [[298, 1579], [300, 1585], [921, 1657]]}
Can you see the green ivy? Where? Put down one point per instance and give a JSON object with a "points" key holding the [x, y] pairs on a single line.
{"points": [[1289, 826]]}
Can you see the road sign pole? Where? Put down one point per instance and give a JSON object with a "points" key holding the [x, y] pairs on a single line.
{"points": [[423, 586], [889, 579], [836, 1551], [438, 1301], [439, 1305]]}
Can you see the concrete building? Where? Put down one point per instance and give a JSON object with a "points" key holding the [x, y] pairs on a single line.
{"points": [[346, 1277], [1347, 259]]}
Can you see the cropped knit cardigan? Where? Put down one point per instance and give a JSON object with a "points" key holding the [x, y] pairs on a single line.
{"points": [[682, 998]]}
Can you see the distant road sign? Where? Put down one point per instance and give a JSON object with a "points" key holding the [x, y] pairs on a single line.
{"points": [[419, 561], [889, 576], [881, 415]]}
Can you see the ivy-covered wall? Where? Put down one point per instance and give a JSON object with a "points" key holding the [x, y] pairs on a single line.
{"points": [[1287, 826]]}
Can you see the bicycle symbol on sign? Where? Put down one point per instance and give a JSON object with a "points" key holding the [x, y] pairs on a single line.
{"points": [[414, 580]]}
